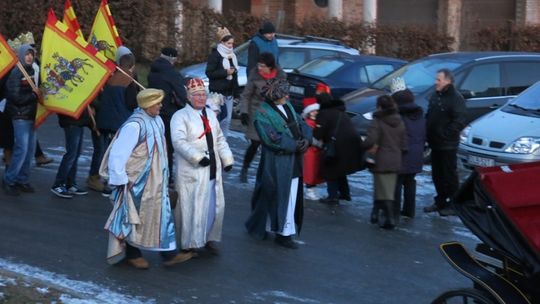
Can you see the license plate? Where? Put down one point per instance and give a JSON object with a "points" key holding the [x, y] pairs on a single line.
{"points": [[296, 90], [480, 161]]}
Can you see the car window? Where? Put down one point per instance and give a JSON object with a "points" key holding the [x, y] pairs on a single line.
{"points": [[291, 58], [321, 67], [528, 100], [351, 74], [483, 81], [519, 76], [375, 71], [315, 53], [419, 75]]}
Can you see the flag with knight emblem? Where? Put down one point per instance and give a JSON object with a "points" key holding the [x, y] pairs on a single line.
{"points": [[7, 57], [72, 71], [104, 35], [70, 19]]}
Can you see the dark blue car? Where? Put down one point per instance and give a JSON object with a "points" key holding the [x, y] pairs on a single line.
{"points": [[342, 74]]}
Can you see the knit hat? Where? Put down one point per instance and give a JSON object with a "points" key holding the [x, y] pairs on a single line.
{"points": [[310, 104], [267, 28], [149, 97], [169, 52], [195, 85], [398, 84], [275, 89], [403, 97], [120, 52], [222, 32]]}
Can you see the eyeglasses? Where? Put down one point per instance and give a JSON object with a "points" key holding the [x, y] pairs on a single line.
{"points": [[202, 95]]}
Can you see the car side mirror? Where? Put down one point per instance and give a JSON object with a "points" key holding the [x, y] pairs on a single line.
{"points": [[467, 94]]}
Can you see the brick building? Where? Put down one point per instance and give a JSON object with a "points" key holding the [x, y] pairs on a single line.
{"points": [[456, 17]]}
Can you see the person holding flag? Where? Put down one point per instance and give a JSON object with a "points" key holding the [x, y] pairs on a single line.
{"points": [[21, 107]]}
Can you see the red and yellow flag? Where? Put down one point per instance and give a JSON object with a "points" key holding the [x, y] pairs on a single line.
{"points": [[104, 35], [70, 19], [72, 71], [7, 57]]}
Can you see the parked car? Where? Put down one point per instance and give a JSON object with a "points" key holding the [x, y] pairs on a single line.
{"points": [[340, 73], [487, 80], [508, 135], [294, 51]]}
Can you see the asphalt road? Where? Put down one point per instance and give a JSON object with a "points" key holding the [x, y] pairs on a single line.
{"points": [[342, 258]]}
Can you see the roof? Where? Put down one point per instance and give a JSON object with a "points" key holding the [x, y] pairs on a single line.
{"points": [[469, 56]]}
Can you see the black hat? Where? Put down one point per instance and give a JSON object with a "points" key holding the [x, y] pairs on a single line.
{"points": [[267, 28], [169, 51]]}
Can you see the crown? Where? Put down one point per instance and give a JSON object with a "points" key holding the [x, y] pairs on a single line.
{"points": [[398, 84], [23, 38], [222, 32], [195, 84]]}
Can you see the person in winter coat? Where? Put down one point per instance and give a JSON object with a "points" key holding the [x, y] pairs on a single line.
{"points": [[21, 107], [165, 77], [386, 134], [445, 118], [332, 121], [263, 42], [411, 163], [278, 191], [312, 157], [201, 153], [250, 101], [222, 72]]}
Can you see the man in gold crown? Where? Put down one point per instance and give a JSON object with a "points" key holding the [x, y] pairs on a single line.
{"points": [[136, 165], [201, 151]]}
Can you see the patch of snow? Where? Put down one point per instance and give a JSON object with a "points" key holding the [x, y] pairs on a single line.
{"points": [[280, 296]]}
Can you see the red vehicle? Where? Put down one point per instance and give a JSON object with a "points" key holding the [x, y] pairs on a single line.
{"points": [[501, 206]]}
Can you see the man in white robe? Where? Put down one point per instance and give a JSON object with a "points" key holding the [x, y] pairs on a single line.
{"points": [[136, 165], [201, 151]]}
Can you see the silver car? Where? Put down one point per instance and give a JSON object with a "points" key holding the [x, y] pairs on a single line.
{"points": [[510, 134]]}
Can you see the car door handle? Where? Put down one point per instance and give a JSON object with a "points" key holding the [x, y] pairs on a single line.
{"points": [[494, 106]]}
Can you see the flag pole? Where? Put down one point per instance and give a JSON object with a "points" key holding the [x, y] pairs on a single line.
{"points": [[28, 78], [136, 82]]}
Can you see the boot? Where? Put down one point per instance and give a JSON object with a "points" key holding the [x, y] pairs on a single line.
{"points": [[243, 174], [388, 220], [397, 207], [409, 201], [374, 218], [43, 160], [94, 182]]}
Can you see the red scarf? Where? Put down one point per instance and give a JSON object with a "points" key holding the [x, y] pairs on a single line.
{"points": [[270, 75], [207, 128]]}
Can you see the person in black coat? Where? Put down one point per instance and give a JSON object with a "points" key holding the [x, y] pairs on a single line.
{"points": [[165, 77], [222, 72], [411, 163], [333, 121], [445, 118]]}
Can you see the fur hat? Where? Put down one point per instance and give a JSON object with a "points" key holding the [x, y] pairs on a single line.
{"points": [[275, 89], [169, 52], [310, 104], [403, 97], [149, 97], [398, 84], [222, 32], [267, 27], [195, 85]]}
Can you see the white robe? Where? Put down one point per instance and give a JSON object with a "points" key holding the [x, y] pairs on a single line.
{"points": [[192, 180]]}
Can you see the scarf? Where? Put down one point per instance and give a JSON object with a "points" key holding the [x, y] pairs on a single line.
{"points": [[227, 53], [272, 74]]}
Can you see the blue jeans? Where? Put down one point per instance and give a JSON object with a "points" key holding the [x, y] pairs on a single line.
{"points": [[23, 152], [67, 171]]}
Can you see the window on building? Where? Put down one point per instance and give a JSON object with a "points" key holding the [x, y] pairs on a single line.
{"points": [[321, 3]]}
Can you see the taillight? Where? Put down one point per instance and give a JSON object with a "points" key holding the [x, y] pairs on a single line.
{"points": [[322, 88]]}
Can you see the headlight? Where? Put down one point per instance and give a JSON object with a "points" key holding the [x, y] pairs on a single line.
{"points": [[524, 145], [368, 115], [464, 135]]}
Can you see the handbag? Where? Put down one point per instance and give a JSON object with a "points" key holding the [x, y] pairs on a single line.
{"points": [[329, 148]]}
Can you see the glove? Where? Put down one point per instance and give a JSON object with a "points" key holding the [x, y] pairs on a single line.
{"points": [[302, 145], [244, 118], [205, 162], [228, 168]]}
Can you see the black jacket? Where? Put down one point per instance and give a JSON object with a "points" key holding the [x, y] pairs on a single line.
{"points": [[445, 118], [348, 142], [21, 100], [83, 120], [164, 76], [217, 75]]}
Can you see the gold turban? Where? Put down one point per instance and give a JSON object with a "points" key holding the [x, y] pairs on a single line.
{"points": [[149, 97]]}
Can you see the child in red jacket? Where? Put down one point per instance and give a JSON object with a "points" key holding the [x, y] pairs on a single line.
{"points": [[312, 157]]}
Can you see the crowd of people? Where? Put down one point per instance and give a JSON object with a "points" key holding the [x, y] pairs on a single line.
{"points": [[159, 152]]}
